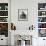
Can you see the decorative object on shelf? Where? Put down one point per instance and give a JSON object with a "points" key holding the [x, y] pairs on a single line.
{"points": [[4, 26], [6, 7], [3, 13], [41, 6], [45, 7], [41, 19], [42, 32], [22, 14], [41, 25], [31, 27], [4, 29], [13, 27], [0, 7], [43, 13], [3, 19]]}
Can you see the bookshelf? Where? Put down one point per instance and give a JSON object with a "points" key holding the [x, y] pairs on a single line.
{"points": [[4, 19], [42, 19]]}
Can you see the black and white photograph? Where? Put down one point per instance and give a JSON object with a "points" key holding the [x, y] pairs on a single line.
{"points": [[22, 14]]}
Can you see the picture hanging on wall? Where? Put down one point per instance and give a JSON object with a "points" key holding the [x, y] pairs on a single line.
{"points": [[22, 14]]}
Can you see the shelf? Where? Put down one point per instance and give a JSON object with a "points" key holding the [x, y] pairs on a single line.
{"points": [[3, 16], [41, 22], [42, 16], [41, 28], [3, 22], [41, 10], [3, 10]]}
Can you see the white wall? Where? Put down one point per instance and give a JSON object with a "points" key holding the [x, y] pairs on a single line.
{"points": [[32, 13], [32, 6]]}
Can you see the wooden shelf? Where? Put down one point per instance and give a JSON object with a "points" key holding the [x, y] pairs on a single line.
{"points": [[42, 10], [41, 22], [3, 16], [41, 28], [3, 10], [42, 16], [3, 22]]}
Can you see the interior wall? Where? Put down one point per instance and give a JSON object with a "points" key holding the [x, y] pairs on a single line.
{"points": [[32, 6], [32, 13]]}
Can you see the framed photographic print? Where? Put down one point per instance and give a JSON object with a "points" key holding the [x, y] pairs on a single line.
{"points": [[22, 14]]}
